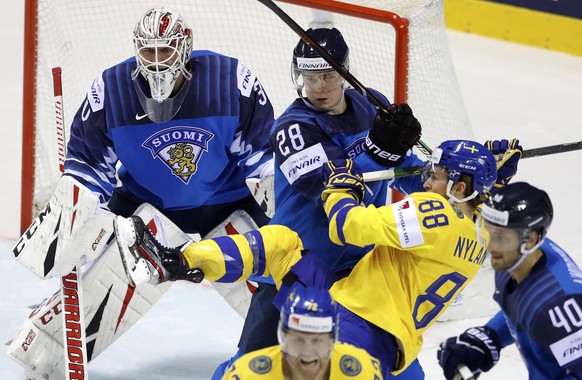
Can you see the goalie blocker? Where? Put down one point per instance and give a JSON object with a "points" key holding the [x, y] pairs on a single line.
{"points": [[112, 304]]}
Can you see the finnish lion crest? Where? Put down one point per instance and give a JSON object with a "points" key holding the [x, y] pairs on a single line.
{"points": [[181, 159], [180, 148]]}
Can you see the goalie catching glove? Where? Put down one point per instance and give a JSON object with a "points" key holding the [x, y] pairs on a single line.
{"points": [[477, 348], [146, 259], [394, 132], [343, 176], [507, 155]]}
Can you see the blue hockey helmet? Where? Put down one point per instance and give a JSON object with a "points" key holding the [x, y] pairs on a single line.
{"points": [[466, 157], [520, 206], [309, 310], [308, 67], [305, 58]]}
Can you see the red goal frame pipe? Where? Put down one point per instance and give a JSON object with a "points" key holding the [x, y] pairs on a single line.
{"points": [[28, 114]]}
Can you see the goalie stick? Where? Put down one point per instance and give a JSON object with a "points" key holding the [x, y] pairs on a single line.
{"points": [[74, 338], [420, 145], [416, 170]]}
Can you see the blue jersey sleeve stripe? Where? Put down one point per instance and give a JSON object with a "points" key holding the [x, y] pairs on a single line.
{"points": [[232, 259], [257, 246], [340, 211], [341, 204]]}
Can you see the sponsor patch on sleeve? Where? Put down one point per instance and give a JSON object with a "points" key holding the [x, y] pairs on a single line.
{"points": [[96, 94], [407, 224], [568, 349], [246, 80], [303, 162]]}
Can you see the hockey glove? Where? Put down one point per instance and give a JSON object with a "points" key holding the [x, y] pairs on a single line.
{"points": [[507, 155], [343, 176], [146, 259], [476, 348], [392, 135]]}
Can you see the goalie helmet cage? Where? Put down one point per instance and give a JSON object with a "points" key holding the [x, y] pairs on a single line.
{"points": [[399, 47]]}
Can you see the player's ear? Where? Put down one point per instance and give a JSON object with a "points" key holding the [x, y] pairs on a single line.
{"points": [[459, 189], [533, 239]]}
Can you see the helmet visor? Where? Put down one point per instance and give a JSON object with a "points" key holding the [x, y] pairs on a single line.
{"points": [[306, 345]]}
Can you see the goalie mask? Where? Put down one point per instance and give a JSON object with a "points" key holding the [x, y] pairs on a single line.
{"points": [[309, 69], [162, 44], [515, 210]]}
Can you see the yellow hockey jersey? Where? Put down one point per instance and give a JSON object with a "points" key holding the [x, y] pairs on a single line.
{"points": [[347, 363], [425, 253]]}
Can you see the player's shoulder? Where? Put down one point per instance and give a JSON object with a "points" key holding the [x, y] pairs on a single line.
{"points": [[263, 363], [297, 112], [353, 361], [557, 325], [354, 94], [427, 201]]}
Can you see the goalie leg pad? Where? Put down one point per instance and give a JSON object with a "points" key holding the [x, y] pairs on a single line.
{"points": [[111, 303]]}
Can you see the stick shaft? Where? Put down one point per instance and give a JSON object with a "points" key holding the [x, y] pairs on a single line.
{"points": [[74, 339], [552, 149]]}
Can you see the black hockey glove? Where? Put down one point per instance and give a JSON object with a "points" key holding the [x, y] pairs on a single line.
{"points": [[342, 176], [507, 155], [392, 135], [477, 348]]}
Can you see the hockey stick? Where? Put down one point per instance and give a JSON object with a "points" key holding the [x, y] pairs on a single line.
{"points": [[420, 145], [463, 373], [74, 340], [416, 170]]}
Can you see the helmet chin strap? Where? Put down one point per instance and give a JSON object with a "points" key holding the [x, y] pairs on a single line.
{"points": [[524, 253], [453, 199]]}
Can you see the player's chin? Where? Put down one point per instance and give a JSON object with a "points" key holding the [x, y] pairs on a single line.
{"points": [[498, 263]]}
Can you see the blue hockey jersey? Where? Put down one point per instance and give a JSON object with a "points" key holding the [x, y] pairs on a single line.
{"points": [[303, 140], [201, 156], [543, 315]]}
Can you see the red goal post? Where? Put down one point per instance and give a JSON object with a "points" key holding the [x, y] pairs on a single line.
{"points": [[399, 47]]}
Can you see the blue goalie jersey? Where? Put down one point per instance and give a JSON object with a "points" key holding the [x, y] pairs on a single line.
{"points": [[200, 157], [303, 140], [543, 315]]}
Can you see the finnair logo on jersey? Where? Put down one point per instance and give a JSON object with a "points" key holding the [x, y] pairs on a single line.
{"points": [[407, 223], [180, 148], [312, 64], [246, 80], [568, 349], [303, 162], [96, 94]]}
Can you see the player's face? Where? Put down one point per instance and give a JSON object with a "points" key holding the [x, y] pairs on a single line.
{"points": [[158, 59], [503, 245], [324, 89], [307, 352], [435, 179]]}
